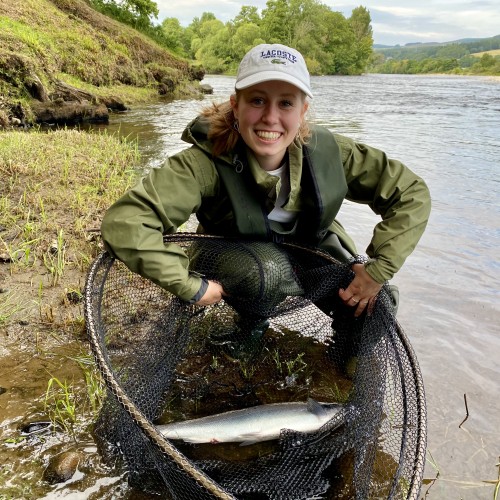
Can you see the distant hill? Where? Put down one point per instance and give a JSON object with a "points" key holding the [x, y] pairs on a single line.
{"points": [[473, 45], [465, 56]]}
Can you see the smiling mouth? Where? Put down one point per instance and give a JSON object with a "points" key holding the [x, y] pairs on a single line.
{"points": [[268, 136]]}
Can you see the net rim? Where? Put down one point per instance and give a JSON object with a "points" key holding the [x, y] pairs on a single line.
{"points": [[105, 260]]}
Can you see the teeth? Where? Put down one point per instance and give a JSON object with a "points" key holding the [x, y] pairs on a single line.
{"points": [[268, 135]]}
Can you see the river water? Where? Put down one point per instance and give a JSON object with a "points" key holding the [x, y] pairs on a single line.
{"points": [[447, 129]]}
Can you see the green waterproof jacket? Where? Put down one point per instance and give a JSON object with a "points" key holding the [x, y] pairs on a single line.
{"points": [[189, 182]]}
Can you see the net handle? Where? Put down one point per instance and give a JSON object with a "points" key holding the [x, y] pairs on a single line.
{"points": [[107, 373]]}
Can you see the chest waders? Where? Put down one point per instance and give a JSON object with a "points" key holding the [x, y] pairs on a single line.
{"points": [[264, 272]]}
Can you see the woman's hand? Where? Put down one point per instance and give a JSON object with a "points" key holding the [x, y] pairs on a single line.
{"points": [[362, 291], [213, 294]]}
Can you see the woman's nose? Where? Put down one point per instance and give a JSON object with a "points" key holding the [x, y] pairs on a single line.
{"points": [[271, 113]]}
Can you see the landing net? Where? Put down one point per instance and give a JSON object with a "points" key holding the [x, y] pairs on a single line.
{"points": [[282, 335]]}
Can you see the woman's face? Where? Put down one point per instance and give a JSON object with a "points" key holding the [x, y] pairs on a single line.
{"points": [[269, 115]]}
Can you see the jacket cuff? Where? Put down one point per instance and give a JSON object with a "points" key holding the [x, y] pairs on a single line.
{"points": [[375, 270], [199, 294]]}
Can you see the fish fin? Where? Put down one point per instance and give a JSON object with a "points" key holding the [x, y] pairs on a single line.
{"points": [[314, 407], [248, 443], [250, 438]]}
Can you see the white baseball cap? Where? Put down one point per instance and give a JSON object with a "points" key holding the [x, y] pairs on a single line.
{"points": [[267, 62]]}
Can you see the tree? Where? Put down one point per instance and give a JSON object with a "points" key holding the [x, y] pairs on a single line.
{"points": [[212, 46], [198, 22], [278, 22], [248, 15], [142, 9], [339, 43], [246, 36], [360, 23], [173, 34]]}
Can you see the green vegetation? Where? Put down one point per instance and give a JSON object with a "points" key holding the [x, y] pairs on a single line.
{"points": [[9, 306], [68, 404], [479, 57], [44, 42], [60, 404], [330, 43], [57, 187]]}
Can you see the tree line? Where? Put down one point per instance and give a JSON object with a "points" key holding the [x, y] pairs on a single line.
{"points": [[330, 43], [457, 57]]}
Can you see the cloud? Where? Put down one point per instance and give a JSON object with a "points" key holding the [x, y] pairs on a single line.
{"points": [[400, 22]]}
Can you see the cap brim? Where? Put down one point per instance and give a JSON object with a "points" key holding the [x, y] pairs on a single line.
{"points": [[267, 76]]}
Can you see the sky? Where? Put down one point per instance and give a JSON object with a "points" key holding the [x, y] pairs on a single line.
{"points": [[393, 21]]}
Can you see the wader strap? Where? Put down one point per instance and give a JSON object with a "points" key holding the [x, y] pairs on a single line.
{"points": [[250, 216]]}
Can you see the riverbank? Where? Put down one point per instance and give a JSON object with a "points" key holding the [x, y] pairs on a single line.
{"points": [[57, 187], [64, 62]]}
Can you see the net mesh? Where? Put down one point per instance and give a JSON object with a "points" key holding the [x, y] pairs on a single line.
{"points": [[281, 335]]}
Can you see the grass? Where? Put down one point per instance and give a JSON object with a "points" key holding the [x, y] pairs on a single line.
{"points": [[59, 185], [289, 367], [70, 41], [60, 404], [9, 306], [495, 52], [93, 382], [55, 258], [68, 404], [497, 487]]}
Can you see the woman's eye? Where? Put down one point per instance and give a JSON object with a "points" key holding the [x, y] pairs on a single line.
{"points": [[257, 101], [287, 104]]}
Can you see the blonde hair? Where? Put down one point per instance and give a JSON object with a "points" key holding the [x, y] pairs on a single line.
{"points": [[223, 128]]}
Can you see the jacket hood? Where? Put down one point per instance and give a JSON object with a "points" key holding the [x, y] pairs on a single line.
{"points": [[196, 133]]}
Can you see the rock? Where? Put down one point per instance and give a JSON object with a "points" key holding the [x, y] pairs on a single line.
{"points": [[74, 297], [70, 113], [70, 106], [113, 103], [4, 257], [197, 73], [166, 86], [69, 93], [36, 89], [3, 390], [206, 89], [38, 427], [62, 467]]}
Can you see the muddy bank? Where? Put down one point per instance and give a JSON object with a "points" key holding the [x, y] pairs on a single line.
{"points": [[65, 63]]}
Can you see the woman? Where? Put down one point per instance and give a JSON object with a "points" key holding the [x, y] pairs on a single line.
{"points": [[256, 168]]}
